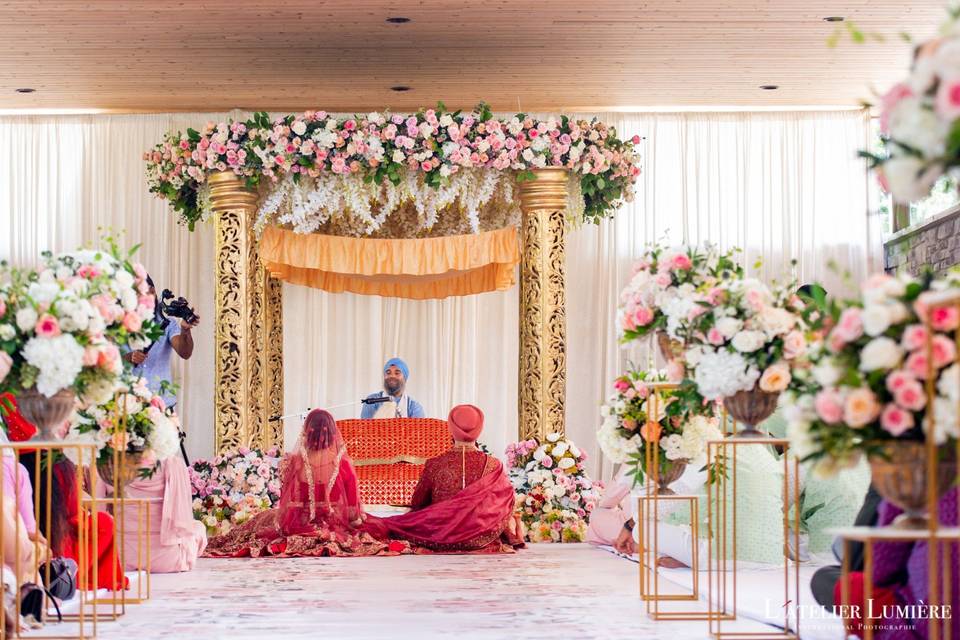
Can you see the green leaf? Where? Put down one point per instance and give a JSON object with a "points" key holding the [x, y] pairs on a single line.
{"points": [[953, 138], [193, 135]]}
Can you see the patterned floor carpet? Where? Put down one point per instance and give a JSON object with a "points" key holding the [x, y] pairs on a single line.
{"points": [[568, 591]]}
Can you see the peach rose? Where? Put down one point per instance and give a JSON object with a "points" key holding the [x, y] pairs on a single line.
{"points": [[861, 408], [775, 378], [794, 345], [651, 431]]}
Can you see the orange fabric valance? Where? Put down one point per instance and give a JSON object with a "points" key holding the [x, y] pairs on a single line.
{"points": [[417, 268]]}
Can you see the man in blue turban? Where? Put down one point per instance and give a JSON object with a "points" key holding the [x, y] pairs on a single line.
{"points": [[395, 376]]}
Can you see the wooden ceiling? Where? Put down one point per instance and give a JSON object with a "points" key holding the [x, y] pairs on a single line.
{"points": [[342, 55]]}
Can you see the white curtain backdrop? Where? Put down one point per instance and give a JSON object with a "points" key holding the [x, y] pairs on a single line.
{"points": [[781, 186]]}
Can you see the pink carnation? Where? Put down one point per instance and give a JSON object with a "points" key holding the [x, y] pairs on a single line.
{"points": [[945, 318], [916, 364], [898, 379], [947, 103], [944, 351]]}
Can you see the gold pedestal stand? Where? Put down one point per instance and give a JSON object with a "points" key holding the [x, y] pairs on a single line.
{"points": [[722, 552], [30, 556]]}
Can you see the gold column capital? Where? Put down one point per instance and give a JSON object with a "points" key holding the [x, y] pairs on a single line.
{"points": [[230, 191]]}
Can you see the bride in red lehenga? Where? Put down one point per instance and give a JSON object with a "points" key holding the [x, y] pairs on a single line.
{"points": [[319, 512]]}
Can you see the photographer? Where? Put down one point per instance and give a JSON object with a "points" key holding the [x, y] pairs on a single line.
{"points": [[153, 363]]}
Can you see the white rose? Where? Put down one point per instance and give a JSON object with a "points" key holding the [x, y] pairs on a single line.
{"points": [[566, 463], [909, 178], [553, 437], [748, 341], [26, 318], [7, 332], [398, 156], [728, 327], [560, 448], [446, 120], [880, 353], [876, 319], [826, 374], [913, 123]]}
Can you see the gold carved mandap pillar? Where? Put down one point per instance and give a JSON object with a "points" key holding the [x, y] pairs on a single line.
{"points": [[543, 321], [249, 325]]}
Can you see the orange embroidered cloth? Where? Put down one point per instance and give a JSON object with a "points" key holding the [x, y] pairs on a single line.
{"points": [[416, 268], [389, 454]]}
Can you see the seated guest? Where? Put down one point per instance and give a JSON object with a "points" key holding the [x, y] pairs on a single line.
{"points": [[463, 501], [19, 551], [900, 585], [825, 579], [63, 529], [395, 376], [17, 486], [176, 540]]}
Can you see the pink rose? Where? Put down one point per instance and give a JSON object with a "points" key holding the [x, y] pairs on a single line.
{"points": [[910, 395], [663, 279], [3, 307], [6, 363], [941, 318], [835, 341], [158, 402], [914, 337], [681, 262], [643, 316], [716, 295], [861, 408], [829, 406], [621, 385], [90, 356], [794, 345], [715, 337], [916, 364], [944, 351], [947, 103], [898, 379], [47, 326], [132, 322], [630, 394], [850, 325], [547, 462], [895, 420]]}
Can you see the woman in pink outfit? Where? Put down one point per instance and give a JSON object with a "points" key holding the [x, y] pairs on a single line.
{"points": [[176, 540]]}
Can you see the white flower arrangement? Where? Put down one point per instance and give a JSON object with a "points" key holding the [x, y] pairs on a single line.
{"points": [[747, 335], [554, 494]]}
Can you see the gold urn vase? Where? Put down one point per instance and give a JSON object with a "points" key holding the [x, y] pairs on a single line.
{"points": [[48, 414], [750, 408], [669, 472], [900, 476]]}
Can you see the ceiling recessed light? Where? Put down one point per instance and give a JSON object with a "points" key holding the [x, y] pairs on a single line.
{"points": [[769, 87], [25, 90], [400, 88], [398, 20], [833, 19]]}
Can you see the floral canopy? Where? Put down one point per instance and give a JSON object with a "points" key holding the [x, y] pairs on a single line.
{"points": [[372, 192]]}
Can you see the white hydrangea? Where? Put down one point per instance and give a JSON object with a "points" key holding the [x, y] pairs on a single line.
{"points": [[722, 373], [164, 439], [673, 446], [58, 359]]}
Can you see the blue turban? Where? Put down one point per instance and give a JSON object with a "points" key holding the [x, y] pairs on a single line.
{"points": [[399, 364]]}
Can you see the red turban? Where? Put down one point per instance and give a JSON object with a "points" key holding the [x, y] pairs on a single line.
{"points": [[465, 422]]}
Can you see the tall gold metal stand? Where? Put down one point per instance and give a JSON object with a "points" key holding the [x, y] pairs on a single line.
{"points": [[30, 556]]}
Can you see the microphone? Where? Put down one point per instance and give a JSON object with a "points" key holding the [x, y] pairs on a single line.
{"points": [[375, 400]]}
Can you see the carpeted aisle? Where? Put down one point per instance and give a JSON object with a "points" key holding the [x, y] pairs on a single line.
{"points": [[570, 591]]}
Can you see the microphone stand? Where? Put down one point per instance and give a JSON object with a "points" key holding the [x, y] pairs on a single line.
{"points": [[301, 414]]}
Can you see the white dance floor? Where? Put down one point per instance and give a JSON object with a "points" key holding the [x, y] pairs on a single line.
{"points": [[570, 591]]}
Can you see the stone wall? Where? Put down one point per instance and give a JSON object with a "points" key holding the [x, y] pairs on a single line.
{"points": [[935, 243]]}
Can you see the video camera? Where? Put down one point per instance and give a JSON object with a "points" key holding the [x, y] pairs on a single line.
{"points": [[177, 307]]}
